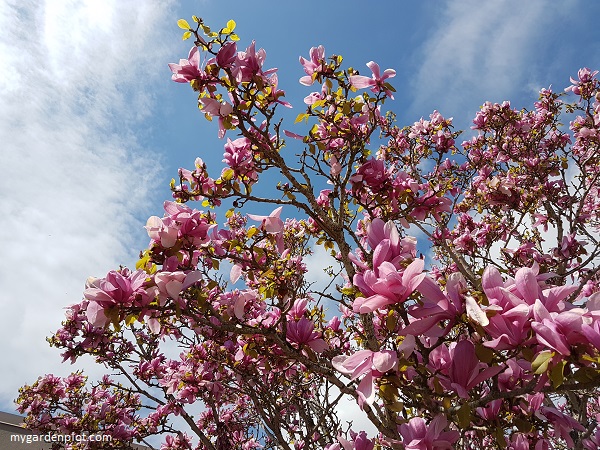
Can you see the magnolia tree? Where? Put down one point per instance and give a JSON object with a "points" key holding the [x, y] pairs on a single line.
{"points": [[490, 340]]}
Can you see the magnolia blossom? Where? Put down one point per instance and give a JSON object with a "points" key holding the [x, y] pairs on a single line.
{"points": [[116, 289], [272, 224], [417, 434], [302, 332], [389, 286], [376, 82], [371, 364], [187, 69], [313, 65]]}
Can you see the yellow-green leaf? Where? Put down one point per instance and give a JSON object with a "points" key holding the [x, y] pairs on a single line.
{"points": [[231, 25], [234, 37], [396, 406], [225, 30], [557, 374], [186, 35], [251, 232], [130, 319], [227, 174], [388, 392], [391, 322], [195, 19], [301, 117], [464, 416], [183, 24], [523, 426], [500, 438], [484, 354], [541, 361]]}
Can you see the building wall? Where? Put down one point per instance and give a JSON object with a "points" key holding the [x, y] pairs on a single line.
{"points": [[10, 425]]}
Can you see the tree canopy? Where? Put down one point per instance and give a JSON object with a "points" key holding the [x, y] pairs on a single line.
{"points": [[483, 334]]}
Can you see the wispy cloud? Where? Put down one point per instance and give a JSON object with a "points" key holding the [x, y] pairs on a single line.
{"points": [[482, 51], [72, 176]]}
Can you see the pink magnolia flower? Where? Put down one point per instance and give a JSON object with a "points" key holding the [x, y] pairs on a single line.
{"points": [[372, 174], [215, 108], [376, 82], [272, 224], [171, 284], [388, 285], [418, 435], [585, 83], [519, 441], [359, 442], [178, 442], [335, 166], [238, 155], [303, 332], [116, 289], [316, 96], [180, 222], [490, 412], [159, 232], [366, 362], [466, 371], [526, 303], [384, 239], [593, 442], [249, 63], [276, 93], [227, 54], [563, 423], [437, 306], [187, 69], [312, 66]]}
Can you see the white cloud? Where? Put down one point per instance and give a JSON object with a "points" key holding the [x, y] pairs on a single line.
{"points": [[73, 179], [481, 51]]}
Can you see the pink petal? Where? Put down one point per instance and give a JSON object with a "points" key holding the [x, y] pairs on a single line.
{"points": [[366, 391], [431, 291], [375, 69], [359, 81], [95, 315], [388, 73], [547, 334], [238, 309], [190, 279], [318, 345], [527, 284], [173, 288], [485, 375], [366, 305], [384, 360], [475, 313], [236, 273], [421, 326], [413, 276], [153, 325], [491, 283]]}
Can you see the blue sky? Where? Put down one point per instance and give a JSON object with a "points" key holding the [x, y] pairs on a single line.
{"points": [[93, 129]]}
